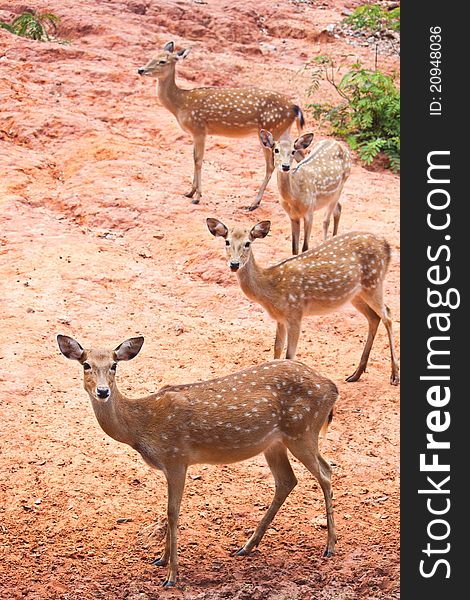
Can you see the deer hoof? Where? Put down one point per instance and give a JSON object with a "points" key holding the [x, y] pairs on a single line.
{"points": [[328, 553], [253, 207], [167, 583], [241, 552], [354, 377], [394, 380], [195, 201], [159, 562]]}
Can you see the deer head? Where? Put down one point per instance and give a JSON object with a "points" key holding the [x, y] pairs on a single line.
{"points": [[99, 366], [238, 240], [285, 151], [160, 65]]}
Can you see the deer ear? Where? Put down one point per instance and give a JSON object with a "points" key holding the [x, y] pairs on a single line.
{"points": [[182, 53], [266, 138], [129, 349], [70, 348], [216, 227], [169, 47], [260, 230], [303, 141]]}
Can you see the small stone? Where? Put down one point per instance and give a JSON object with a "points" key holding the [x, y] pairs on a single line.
{"points": [[268, 47]]}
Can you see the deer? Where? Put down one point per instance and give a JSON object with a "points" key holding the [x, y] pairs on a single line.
{"points": [[270, 408], [347, 268], [315, 183], [225, 111]]}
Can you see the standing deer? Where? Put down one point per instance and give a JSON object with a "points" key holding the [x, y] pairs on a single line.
{"points": [[227, 111], [349, 267], [269, 408], [315, 183]]}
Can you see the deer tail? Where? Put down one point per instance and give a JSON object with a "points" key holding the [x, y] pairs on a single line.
{"points": [[299, 115]]}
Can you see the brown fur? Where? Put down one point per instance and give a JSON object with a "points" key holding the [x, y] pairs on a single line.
{"points": [[227, 111], [269, 408], [347, 268], [314, 184]]}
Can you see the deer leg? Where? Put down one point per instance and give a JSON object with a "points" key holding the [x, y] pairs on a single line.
{"points": [[165, 557], [336, 217], [327, 218], [175, 479], [198, 154], [295, 226], [293, 333], [308, 221], [268, 157], [285, 481], [373, 320], [374, 299], [280, 339], [306, 450]]}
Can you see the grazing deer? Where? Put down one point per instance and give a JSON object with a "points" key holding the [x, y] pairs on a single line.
{"points": [[349, 267], [315, 183], [269, 408], [227, 111]]}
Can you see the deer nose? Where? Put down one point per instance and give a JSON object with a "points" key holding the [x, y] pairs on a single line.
{"points": [[141, 71], [102, 392], [286, 168], [234, 266]]}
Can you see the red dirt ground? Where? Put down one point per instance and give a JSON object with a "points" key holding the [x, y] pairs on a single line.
{"points": [[98, 242]]}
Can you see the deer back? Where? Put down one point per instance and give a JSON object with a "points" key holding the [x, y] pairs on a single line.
{"points": [[326, 276], [234, 111], [325, 169], [235, 417]]}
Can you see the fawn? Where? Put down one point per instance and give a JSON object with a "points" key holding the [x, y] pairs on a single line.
{"points": [[315, 183], [227, 111], [349, 267], [269, 408]]}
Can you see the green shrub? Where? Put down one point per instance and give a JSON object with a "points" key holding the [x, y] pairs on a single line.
{"points": [[368, 116], [33, 25], [374, 17]]}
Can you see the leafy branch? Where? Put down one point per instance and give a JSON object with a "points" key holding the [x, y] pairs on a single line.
{"points": [[368, 116], [33, 25]]}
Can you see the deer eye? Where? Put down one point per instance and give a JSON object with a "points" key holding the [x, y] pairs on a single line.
{"points": [[276, 150], [227, 243], [86, 366], [113, 367], [162, 62], [247, 244], [294, 151]]}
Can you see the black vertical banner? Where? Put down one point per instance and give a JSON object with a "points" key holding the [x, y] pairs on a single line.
{"points": [[434, 327]]}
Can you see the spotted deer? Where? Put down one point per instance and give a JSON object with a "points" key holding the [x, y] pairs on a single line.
{"points": [[349, 267], [226, 111], [269, 408], [314, 184]]}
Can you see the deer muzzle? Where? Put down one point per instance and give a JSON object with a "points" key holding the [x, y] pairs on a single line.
{"points": [[234, 266], [103, 392]]}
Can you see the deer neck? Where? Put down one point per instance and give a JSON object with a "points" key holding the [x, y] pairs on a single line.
{"points": [[168, 92], [254, 280], [286, 185], [111, 416]]}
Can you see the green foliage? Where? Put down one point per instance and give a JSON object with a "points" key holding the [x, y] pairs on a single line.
{"points": [[33, 25], [368, 116], [374, 17]]}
